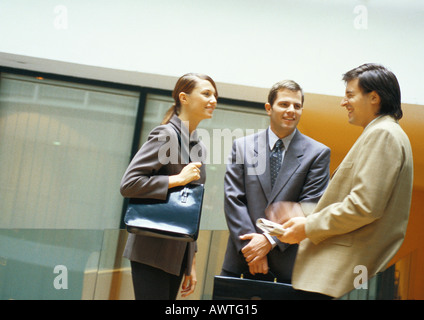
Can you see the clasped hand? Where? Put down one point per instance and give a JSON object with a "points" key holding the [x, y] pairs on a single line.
{"points": [[255, 252]]}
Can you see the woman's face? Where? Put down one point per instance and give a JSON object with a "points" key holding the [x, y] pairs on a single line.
{"points": [[201, 102]]}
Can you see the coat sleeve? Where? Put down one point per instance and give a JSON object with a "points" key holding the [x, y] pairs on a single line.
{"points": [[146, 176], [317, 179], [372, 177], [235, 202]]}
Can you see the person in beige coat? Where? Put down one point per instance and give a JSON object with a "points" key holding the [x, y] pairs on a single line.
{"points": [[362, 217]]}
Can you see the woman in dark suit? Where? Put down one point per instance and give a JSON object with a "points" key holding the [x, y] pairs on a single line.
{"points": [[159, 265]]}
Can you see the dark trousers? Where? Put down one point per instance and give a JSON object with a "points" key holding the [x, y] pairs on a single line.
{"points": [[154, 284]]}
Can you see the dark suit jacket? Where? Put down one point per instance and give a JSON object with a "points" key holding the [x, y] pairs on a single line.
{"points": [[303, 177], [147, 177]]}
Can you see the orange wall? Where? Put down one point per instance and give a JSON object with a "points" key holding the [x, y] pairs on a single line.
{"points": [[324, 120]]}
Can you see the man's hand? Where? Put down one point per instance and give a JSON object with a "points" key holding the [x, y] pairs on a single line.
{"points": [[259, 266], [295, 230], [255, 252]]}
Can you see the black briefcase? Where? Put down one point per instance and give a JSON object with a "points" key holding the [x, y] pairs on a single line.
{"points": [[231, 288], [177, 217]]}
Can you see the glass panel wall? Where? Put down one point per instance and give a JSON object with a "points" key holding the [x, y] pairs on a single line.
{"points": [[63, 150], [48, 264], [64, 147]]}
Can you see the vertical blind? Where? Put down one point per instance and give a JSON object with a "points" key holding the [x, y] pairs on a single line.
{"points": [[63, 149]]}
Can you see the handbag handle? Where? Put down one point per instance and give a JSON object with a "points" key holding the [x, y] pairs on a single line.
{"points": [[184, 194], [183, 152]]}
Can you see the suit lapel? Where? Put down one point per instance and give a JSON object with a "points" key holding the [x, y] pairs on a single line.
{"points": [[290, 164], [261, 148]]}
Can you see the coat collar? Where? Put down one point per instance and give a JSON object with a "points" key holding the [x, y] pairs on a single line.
{"points": [[188, 143], [378, 120], [183, 129], [367, 128]]}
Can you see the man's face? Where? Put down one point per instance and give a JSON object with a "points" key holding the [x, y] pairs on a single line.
{"points": [[285, 112], [361, 107]]}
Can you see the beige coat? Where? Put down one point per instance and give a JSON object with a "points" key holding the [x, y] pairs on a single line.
{"points": [[362, 217]]}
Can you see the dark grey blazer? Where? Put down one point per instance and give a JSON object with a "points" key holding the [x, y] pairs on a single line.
{"points": [[303, 177], [147, 177]]}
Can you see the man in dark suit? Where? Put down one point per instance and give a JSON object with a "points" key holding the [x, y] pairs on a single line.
{"points": [[299, 173]]}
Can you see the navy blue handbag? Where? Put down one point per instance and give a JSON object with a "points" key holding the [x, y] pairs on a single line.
{"points": [[177, 217]]}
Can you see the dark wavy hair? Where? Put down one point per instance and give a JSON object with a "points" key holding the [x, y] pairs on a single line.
{"points": [[375, 77]]}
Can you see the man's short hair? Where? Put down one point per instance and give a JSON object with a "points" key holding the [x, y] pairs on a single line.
{"points": [[281, 85], [375, 77]]}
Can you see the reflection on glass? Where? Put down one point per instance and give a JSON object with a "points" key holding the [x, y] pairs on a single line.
{"points": [[47, 264]]}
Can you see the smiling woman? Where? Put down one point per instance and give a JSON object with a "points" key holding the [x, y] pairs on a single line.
{"points": [[185, 86], [158, 265], [199, 104]]}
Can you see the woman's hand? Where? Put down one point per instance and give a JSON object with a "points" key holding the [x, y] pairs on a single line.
{"points": [[189, 283], [190, 172]]}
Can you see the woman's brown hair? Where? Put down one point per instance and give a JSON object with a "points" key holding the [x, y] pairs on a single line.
{"points": [[186, 84]]}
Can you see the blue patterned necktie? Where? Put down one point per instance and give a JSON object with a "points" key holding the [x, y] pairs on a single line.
{"points": [[275, 160]]}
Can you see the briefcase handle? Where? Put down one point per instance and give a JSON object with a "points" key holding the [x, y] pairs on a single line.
{"points": [[269, 273]]}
